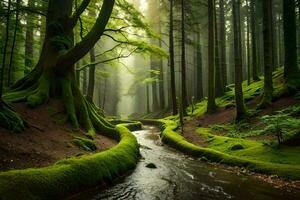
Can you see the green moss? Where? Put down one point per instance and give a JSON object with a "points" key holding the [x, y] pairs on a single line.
{"points": [[85, 144], [72, 175], [9, 119], [255, 156]]}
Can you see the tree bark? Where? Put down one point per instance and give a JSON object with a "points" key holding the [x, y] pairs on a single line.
{"points": [[219, 77], [239, 97], [183, 62], [268, 54], [199, 68], [172, 62], [291, 70], [211, 104], [223, 44], [254, 42], [29, 40]]}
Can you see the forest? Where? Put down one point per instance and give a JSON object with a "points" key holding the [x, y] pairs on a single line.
{"points": [[149, 99]]}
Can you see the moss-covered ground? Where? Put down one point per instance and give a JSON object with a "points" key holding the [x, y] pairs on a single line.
{"points": [[258, 155], [72, 175]]}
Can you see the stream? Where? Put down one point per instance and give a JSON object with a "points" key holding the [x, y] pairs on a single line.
{"points": [[180, 177]]}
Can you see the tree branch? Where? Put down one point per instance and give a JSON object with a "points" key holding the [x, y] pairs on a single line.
{"points": [[73, 55], [84, 4]]}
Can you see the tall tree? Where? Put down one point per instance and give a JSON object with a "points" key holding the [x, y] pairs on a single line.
{"points": [[291, 70], [254, 41], [29, 39], [211, 104], [239, 97], [184, 102], [5, 47], [54, 74], [172, 61], [268, 54], [223, 44], [10, 66], [199, 86], [219, 76]]}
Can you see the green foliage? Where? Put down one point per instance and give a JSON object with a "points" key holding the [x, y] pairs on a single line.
{"points": [[69, 176]]}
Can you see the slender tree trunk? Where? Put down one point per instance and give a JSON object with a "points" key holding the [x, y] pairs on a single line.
{"points": [[148, 99], [199, 68], [254, 42], [240, 106], [291, 70], [223, 44], [161, 78], [248, 44], [172, 61], [29, 39], [5, 47], [211, 104], [92, 69], [268, 54], [219, 77], [10, 67], [84, 80], [183, 62]]}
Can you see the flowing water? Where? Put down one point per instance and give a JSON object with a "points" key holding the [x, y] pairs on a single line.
{"points": [[180, 177]]}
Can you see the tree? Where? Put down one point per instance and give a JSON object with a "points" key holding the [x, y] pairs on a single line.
{"points": [[184, 102], [199, 68], [223, 44], [29, 39], [254, 42], [241, 112], [211, 104], [54, 74], [291, 70], [268, 54], [219, 77], [171, 60]]}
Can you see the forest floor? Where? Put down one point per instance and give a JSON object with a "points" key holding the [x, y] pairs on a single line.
{"points": [[253, 140], [47, 139]]}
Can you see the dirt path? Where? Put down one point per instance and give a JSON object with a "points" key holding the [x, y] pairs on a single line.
{"points": [[44, 142]]}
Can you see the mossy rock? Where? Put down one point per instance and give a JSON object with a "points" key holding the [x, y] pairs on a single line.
{"points": [[236, 147]]}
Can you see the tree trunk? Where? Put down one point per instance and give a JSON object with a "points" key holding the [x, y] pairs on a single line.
{"points": [[162, 102], [54, 75], [268, 54], [211, 104], [5, 47], [199, 68], [254, 42], [239, 99], [291, 70], [10, 67], [219, 77], [92, 69], [172, 62], [29, 39], [223, 44], [248, 44], [183, 62]]}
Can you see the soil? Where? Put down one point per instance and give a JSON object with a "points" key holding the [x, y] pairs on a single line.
{"points": [[45, 140]]}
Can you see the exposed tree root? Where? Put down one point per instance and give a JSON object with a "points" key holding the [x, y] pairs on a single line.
{"points": [[9, 119], [36, 90]]}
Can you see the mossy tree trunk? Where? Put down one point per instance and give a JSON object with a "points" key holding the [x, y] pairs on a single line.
{"points": [[211, 105], [268, 54], [54, 75], [199, 68], [239, 97], [291, 70]]}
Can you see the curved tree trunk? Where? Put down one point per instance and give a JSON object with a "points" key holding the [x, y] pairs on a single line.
{"points": [[54, 75]]}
